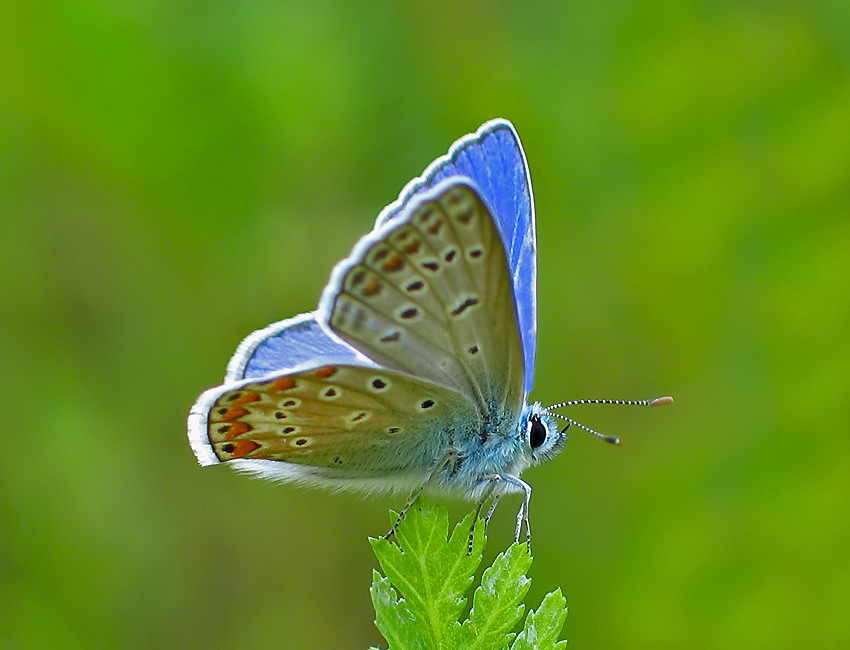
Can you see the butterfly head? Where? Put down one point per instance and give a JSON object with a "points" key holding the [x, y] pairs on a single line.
{"points": [[543, 438]]}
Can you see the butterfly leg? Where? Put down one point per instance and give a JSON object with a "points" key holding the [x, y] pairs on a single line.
{"points": [[522, 515], [488, 492], [491, 510], [448, 460]]}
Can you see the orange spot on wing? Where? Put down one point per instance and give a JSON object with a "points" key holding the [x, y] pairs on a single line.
{"points": [[435, 229], [237, 429], [324, 373], [283, 383], [244, 447], [393, 264], [374, 287], [247, 398], [234, 414]]}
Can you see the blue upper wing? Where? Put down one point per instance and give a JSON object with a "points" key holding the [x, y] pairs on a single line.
{"points": [[493, 157], [297, 341]]}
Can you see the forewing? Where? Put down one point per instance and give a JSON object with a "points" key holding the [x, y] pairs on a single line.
{"points": [[351, 421], [493, 157], [430, 294]]}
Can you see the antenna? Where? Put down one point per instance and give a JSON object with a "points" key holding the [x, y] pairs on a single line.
{"points": [[658, 401]]}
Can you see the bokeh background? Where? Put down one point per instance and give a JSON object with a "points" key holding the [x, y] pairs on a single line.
{"points": [[176, 174]]}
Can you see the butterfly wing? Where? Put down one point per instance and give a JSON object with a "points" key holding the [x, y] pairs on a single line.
{"points": [[295, 342], [493, 157], [348, 425], [430, 294]]}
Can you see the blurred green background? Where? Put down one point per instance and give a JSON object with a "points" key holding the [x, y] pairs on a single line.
{"points": [[176, 174]]}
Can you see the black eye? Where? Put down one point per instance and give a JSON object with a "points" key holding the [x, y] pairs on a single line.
{"points": [[537, 433]]}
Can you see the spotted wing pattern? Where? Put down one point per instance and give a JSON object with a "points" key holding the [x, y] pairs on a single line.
{"points": [[494, 159], [431, 294], [356, 421]]}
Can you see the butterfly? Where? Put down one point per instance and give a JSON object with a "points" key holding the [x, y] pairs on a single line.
{"points": [[414, 371]]}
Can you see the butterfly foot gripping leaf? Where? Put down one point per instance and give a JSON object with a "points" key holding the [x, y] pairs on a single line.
{"points": [[414, 370]]}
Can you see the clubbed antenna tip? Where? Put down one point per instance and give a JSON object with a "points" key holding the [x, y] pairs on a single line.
{"points": [[658, 401]]}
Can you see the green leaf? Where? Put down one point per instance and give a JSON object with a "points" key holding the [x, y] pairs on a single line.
{"points": [[394, 619], [497, 603], [431, 573], [420, 602], [543, 626]]}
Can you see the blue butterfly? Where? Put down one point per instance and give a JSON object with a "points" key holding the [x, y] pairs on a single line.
{"points": [[414, 371]]}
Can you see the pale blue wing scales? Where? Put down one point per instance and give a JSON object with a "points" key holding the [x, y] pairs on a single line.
{"points": [[430, 293], [493, 157], [297, 341]]}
